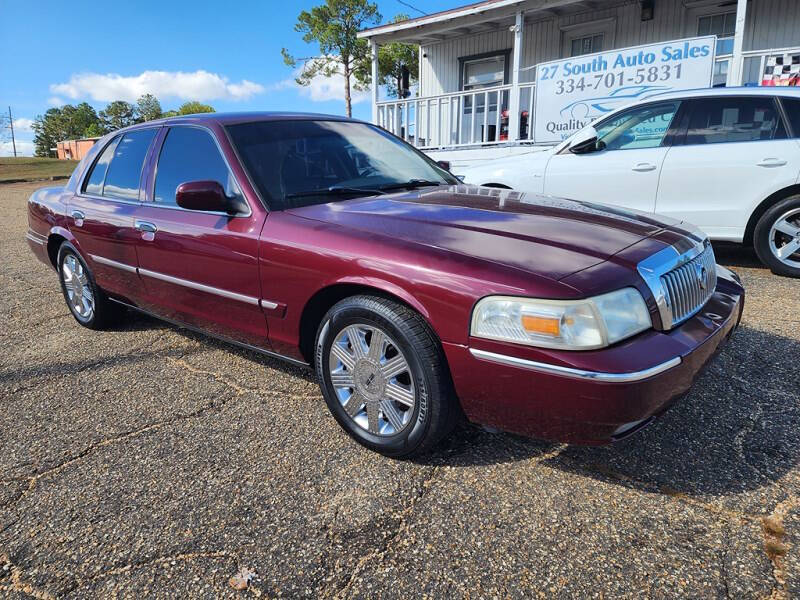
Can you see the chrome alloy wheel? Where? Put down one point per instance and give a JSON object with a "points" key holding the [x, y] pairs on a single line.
{"points": [[784, 238], [78, 288], [372, 379]]}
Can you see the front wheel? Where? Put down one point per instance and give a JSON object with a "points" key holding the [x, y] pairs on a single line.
{"points": [[777, 237], [384, 377]]}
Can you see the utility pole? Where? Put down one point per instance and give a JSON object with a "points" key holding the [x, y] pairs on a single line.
{"points": [[11, 123]]}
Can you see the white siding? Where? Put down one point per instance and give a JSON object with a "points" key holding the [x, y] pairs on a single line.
{"points": [[770, 24]]}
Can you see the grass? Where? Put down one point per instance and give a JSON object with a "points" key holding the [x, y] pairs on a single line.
{"points": [[34, 168]]}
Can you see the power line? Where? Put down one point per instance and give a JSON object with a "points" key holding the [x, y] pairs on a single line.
{"points": [[412, 7]]}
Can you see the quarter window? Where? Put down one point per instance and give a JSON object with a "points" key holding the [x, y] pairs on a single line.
{"points": [[125, 171], [641, 127], [94, 183], [725, 120], [190, 154]]}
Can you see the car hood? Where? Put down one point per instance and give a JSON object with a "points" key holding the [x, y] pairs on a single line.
{"points": [[547, 236]]}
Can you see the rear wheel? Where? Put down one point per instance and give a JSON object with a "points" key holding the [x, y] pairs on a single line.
{"points": [[383, 376], [87, 303], [777, 237]]}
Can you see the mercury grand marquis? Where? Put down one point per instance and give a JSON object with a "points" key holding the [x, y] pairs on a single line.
{"points": [[418, 300]]}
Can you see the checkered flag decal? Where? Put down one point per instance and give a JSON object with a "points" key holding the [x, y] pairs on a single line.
{"points": [[782, 70]]}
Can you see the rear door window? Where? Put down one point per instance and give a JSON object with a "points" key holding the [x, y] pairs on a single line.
{"points": [[125, 171], [94, 183], [734, 119], [792, 108], [191, 154]]}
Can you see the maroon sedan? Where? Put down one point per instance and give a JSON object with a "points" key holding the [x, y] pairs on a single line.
{"points": [[330, 242]]}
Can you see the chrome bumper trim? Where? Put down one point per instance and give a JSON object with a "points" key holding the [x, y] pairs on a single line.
{"points": [[112, 263], [513, 361], [34, 237]]}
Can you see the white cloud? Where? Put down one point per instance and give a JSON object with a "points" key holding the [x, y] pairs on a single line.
{"points": [[199, 85], [24, 148], [323, 89], [23, 124], [55, 101]]}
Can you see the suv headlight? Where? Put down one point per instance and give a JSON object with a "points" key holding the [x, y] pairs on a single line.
{"points": [[566, 324]]}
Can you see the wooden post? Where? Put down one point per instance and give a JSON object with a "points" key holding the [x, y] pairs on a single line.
{"points": [[736, 70]]}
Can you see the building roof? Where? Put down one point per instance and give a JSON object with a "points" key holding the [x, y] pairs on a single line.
{"points": [[495, 13]]}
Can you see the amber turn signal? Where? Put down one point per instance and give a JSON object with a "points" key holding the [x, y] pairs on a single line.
{"points": [[541, 325]]}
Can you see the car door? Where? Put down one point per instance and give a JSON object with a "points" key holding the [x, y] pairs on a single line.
{"points": [[200, 267], [624, 170], [101, 214], [733, 154]]}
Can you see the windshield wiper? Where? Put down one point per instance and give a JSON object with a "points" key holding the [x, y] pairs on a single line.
{"points": [[335, 189], [411, 184]]}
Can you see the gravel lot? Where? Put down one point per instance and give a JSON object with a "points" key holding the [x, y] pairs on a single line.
{"points": [[151, 460]]}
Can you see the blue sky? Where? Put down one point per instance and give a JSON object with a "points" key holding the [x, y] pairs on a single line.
{"points": [[226, 54]]}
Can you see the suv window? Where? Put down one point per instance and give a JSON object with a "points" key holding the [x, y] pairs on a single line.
{"points": [[94, 183], [190, 154], [640, 127], [792, 108], [732, 119], [125, 170]]}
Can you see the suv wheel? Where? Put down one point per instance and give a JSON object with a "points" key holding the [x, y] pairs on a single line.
{"points": [[383, 376], [777, 237], [87, 302]]}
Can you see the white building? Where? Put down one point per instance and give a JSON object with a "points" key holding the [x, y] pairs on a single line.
{"points": [[482, 57]]}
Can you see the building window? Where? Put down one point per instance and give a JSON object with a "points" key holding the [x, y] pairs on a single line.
{"points": [[723, 25], [484, 72], [586, 44]]}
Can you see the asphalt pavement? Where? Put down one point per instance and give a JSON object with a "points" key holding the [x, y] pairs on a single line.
{"points": [[153, 461]]}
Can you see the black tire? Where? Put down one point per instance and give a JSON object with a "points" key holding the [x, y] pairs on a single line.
{"points": [[435, 408], [104, 313], [761, 236]]}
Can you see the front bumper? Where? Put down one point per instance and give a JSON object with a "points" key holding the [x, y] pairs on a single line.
{"points": [[591, 397]]}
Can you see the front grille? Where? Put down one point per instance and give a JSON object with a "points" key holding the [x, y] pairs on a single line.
{"points": [[688, 287]]}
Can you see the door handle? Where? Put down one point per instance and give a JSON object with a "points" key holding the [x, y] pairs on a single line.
{"points": [[145, 226], [644, 167], [78, 217], [771, 162]]}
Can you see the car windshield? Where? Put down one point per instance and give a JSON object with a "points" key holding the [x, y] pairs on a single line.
{"points": [[297, 163]]}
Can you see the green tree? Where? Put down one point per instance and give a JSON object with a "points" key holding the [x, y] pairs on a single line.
{"points": [[391, 60], [333, 26], [118, 114], [65, 123], [148, 108], [193, 108], [94, 130]]}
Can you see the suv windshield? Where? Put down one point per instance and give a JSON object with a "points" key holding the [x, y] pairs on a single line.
{"points": [[302, 162]]}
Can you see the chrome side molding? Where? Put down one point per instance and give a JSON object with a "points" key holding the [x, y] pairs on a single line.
{"points": [[260, 302], [513, 361]]}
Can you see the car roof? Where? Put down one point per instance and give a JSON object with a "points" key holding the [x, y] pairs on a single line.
{"points": [[791, 92], [232, 118]]}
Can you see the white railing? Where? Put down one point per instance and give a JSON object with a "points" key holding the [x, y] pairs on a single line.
{"points": [[472, 118]]}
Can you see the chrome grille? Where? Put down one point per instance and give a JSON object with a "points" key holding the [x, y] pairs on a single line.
{"points": [[688, 287]]}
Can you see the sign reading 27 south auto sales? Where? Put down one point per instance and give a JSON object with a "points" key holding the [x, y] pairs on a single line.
{"points": [[571, 93]]}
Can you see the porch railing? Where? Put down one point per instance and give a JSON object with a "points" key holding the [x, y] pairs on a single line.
{"points": [[472, 118]]}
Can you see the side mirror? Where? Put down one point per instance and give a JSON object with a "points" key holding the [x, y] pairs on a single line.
{"points": [[202, 195], [584, 141]]}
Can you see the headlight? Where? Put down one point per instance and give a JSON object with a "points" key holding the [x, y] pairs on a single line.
{"points": [[565, 324]]}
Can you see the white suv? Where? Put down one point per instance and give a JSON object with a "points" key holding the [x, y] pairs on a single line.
{"points": [[727, 160]]}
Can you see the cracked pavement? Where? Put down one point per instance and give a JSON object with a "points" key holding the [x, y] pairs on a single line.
{"points": [[151, 461]]}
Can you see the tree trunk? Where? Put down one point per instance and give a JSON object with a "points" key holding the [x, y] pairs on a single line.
{"points": [[347, 106]]}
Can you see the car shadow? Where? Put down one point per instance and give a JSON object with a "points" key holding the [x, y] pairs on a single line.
{"points": [[737, 429], [736, 255]]}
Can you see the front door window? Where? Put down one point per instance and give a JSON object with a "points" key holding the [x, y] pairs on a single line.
{"points": [[638, 128]]}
